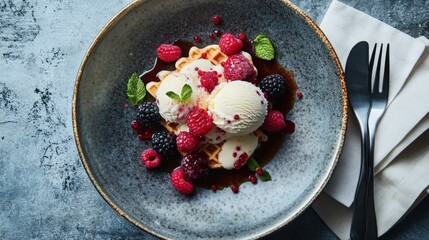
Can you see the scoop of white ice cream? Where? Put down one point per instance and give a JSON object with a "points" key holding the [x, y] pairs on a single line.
{"points": [[173, 110], [237, 107], [204, 65], [235, 148], [216, 135]]}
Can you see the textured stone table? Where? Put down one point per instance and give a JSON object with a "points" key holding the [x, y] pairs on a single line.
{"points": [[44, 190]]}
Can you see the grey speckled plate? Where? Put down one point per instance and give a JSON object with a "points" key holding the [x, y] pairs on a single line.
{"points": [[110, 151]]}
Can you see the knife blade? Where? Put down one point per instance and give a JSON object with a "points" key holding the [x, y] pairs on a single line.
{"points": [[357, 75]]}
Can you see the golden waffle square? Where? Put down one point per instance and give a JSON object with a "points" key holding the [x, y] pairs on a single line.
{"points": [[213, 54]]}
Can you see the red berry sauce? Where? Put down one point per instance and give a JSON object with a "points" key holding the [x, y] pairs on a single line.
{"points": [[216, 19], [145, 134], [259, 171], [290, 127], [218, 33], [197, 39], [241, 36], [135, 124], [252, 178]]}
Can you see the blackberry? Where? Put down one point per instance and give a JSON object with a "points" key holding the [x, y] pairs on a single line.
{"points": [[164, 143], [195, 165], [273, 85], [148, 114]]}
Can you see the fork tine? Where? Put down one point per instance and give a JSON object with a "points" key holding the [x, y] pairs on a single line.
{"points": [[377, 73], [371, 62], [386, 78]]}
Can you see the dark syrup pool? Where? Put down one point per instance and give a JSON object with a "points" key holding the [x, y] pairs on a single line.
{"points": [[222, 178]]}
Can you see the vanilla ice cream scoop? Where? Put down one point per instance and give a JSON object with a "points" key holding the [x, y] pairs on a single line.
{"points": [[237, 107], [204, 65], [237, 149], [173, 110]]}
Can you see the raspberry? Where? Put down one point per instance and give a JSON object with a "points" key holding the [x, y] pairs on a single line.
{"points": [[164, 143], [274, 122], [195, 165], [229, 44], [237, 67], [181, 181], [209, 80], [148, 114], [199, 122], [186, 142], [273, 85], [150, 158], [169, 52]]}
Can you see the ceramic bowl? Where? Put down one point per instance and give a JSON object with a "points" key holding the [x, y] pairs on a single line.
{"points": [[110, 151]]}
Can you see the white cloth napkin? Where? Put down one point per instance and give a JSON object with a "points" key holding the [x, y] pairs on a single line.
{"points": [[396, 190], [398, 182]]}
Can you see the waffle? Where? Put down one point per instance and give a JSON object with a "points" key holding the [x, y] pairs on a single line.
{"points": [[214, 55]]}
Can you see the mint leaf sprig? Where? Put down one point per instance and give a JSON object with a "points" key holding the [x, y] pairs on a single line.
{"points": [[253, 165], [136, 90], [263, 47], [185, 94]]}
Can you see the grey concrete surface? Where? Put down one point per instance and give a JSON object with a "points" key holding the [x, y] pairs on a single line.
{"points": [[44, 190]]}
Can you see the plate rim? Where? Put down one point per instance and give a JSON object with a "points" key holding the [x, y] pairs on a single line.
{"points": [[338, 150]]}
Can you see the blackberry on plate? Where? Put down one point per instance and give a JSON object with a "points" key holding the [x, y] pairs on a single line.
{"points": [[164, 143], [195, 165], [148, 114], [273, 85]]}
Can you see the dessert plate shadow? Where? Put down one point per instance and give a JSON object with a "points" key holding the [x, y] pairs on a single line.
{"points": [[110, 151]]}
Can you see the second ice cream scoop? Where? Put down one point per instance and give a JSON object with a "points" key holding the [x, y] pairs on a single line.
{"points": [[237, 107]]}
